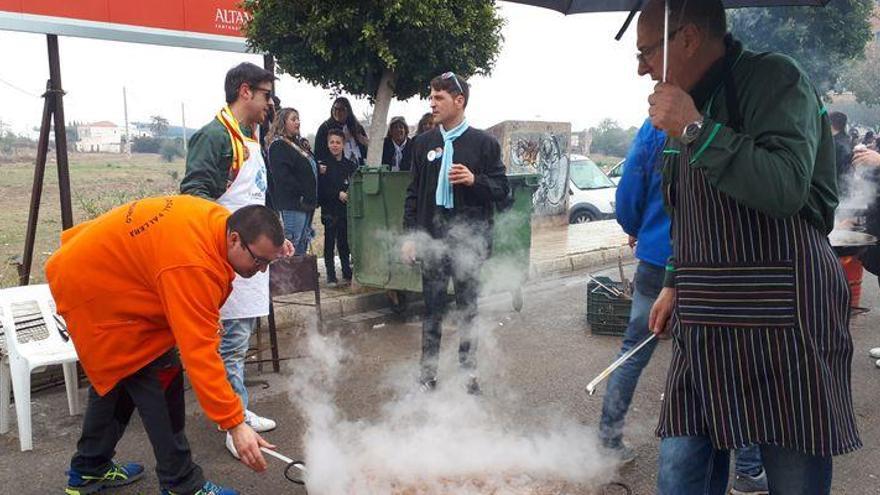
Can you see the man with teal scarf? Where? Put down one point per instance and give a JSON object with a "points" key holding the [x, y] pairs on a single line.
{"points": [[457, 177]]}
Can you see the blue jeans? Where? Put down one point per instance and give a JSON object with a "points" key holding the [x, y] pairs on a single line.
{"points": [[298, 229], [233, 349], [622, 383], [690, 465]]}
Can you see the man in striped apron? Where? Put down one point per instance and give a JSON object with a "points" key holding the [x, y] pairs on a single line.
{"points": [[755, 298]]}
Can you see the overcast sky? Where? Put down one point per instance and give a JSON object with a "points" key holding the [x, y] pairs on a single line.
{"points": [[551, 67]]}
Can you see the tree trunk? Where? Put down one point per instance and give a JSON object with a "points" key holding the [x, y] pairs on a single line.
{"points": [[379, 124]]}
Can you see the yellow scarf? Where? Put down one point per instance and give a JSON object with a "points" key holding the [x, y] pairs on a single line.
{"points": [[240, 152]]}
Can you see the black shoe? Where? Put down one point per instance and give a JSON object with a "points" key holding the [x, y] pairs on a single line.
{"points": [[473, 386], [332, 281]]}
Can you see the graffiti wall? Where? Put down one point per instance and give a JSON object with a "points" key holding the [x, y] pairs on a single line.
{"points": [[539, 148]]}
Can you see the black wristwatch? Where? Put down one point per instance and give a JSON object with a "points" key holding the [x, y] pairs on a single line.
{"points": [[692, 131]]}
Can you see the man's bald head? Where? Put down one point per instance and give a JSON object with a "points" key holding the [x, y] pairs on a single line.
{"points": [[707, 15]]}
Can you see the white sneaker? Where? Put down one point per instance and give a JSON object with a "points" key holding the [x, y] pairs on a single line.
{"points": [[874, 353], [258, 423], [877, 364], [230, 445]]}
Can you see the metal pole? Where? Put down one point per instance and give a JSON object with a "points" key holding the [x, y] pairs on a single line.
{"points": [[24, 270], [127, 133], [60, 133], [666, 41], [183, 121]]}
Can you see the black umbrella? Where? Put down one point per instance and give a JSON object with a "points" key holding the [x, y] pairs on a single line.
{"points": [[632, 6], [581, 6]]}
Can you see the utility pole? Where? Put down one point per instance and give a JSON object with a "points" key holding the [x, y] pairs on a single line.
{"points": [[127, 133], [183, 121]]}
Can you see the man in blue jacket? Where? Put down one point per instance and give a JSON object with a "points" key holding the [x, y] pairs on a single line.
{"points": [[641, 213]]}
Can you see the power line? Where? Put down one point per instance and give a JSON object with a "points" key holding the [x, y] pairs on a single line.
{"points": [[13, 86]]}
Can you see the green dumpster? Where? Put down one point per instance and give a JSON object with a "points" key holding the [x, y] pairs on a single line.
{"points": [[375, 222]]}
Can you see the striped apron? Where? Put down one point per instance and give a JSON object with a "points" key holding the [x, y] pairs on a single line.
{"points": [[761, 344]]}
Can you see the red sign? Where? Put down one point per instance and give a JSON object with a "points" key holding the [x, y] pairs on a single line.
{"points": [[169, 22]]}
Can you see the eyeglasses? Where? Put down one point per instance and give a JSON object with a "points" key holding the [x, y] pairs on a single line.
{"points": [[451, 75], [645, 53], [267, 92], [259, 261]]}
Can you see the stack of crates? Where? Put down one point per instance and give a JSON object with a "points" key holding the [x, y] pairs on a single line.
{"points": [[607, 313]]}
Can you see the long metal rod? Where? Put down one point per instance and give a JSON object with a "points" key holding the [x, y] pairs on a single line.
{"points": [[591, 387], [283, 458], [666, 41]]}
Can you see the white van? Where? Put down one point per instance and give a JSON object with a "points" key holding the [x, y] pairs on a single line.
{"points": [[591, 192]]}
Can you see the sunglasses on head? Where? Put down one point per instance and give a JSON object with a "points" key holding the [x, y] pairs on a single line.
{"points": [[451, 75]]}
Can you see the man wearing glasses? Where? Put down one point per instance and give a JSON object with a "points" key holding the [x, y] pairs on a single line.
{"points": [[140, 289], [457, 177], [225, 164], [755, 298]]}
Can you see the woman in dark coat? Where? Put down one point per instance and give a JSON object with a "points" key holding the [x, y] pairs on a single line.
{"points": [[397, 149], [294, 175], [342, 118]]}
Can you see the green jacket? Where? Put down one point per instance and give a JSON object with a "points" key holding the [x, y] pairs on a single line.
{"points": [[208, 159], [781, 162]]}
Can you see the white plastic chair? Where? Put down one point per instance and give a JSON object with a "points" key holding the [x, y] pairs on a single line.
{"points": [[35, 337]]}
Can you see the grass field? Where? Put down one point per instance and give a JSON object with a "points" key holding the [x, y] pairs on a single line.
{"points": [[98, 183]]}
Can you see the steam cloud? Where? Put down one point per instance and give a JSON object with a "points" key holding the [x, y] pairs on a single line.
{"points": [[445, 441]]}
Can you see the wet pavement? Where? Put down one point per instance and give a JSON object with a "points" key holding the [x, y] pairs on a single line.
{"points": [[534, 366]]}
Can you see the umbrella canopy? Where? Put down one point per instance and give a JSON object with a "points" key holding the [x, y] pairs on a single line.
{"points": [[581, 6]]}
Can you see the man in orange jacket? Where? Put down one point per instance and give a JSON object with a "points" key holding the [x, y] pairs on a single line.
{"points": [[140, 288]]}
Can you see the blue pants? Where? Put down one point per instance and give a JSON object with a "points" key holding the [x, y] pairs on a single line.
{"points": [[298, 229], [690, 465], [233, 349], [622, 383]]}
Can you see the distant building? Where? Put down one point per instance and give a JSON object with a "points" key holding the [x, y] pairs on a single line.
{"points": [[581, 141], [98, 137]]}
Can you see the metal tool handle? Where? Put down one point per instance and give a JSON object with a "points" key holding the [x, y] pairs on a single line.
{"points": [[283, 458], [591, 387], [611, 289]]}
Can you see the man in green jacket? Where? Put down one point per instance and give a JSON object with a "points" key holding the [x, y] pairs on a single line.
{"points": [[757, 301]]}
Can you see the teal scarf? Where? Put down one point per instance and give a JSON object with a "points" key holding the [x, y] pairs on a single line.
{"points": [[444, 187]]}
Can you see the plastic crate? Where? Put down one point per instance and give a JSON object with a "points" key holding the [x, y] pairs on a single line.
{"points": [[607, 314]]}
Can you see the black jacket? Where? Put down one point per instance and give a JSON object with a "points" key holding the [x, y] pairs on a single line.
{"points": [[474, 205], [322, 151], [293, 181], [334, 180], [388, 154], [843, 153]]}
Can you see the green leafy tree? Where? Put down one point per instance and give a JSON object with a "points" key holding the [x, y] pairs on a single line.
{"points": [[158, 126], [822, 40], [377, 49], [611, 139], [863, 77], [171, 149]]}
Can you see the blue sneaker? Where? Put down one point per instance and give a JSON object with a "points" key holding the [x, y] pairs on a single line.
{"points": [[117, 475], [208, 489]]}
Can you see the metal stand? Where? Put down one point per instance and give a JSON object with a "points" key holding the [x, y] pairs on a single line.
{"points": [[290, 276], [53, 109]]}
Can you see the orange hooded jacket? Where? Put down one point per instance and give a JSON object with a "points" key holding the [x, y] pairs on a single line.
{"points": [[141, 279]]}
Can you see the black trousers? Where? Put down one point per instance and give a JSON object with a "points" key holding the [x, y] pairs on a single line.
{"points": [[435, 282], [156, 391], [336, 233]]}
